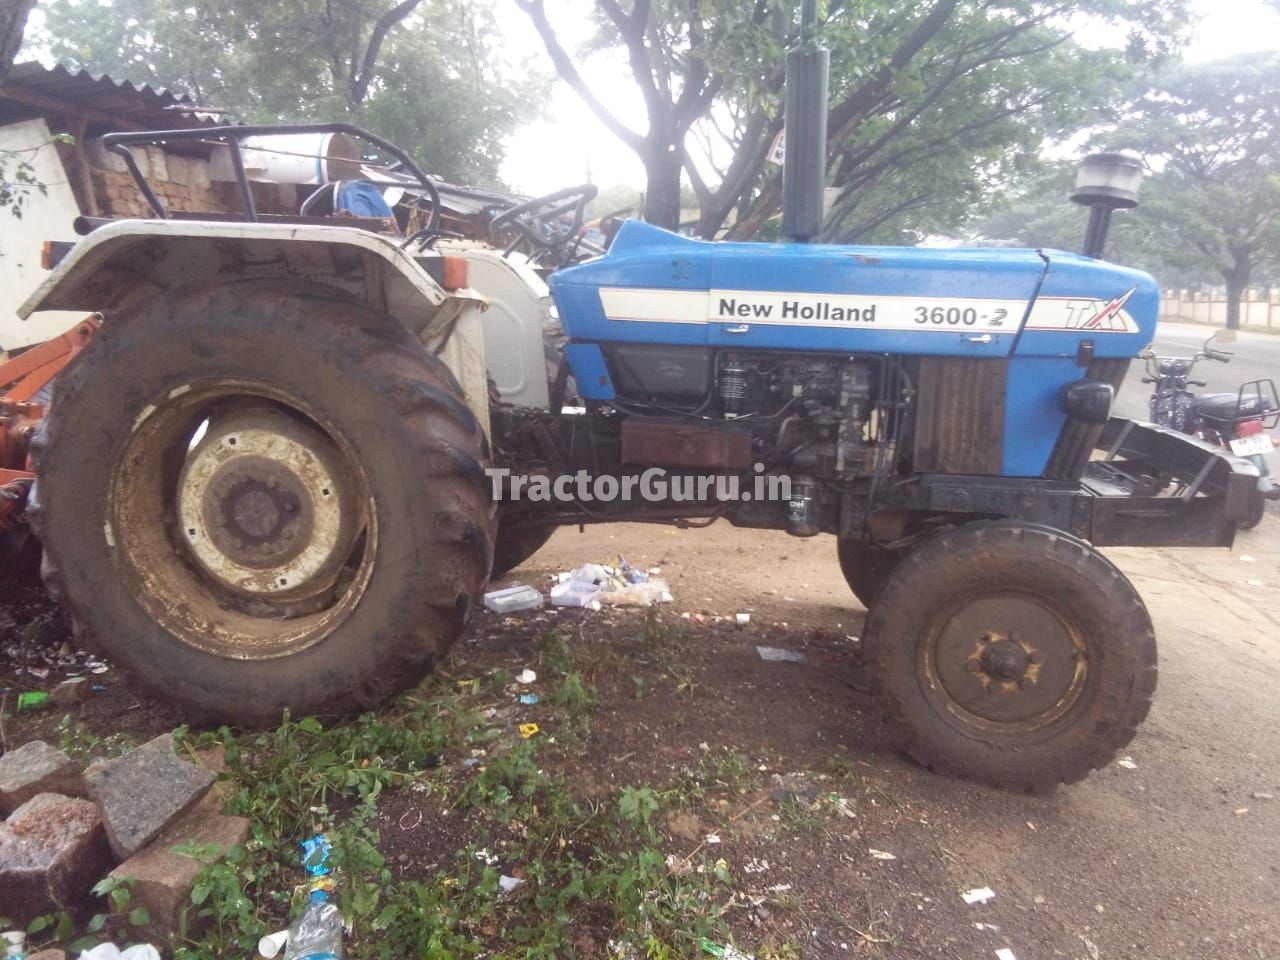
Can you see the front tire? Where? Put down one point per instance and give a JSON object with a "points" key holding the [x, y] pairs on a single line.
{"points": [[262, 497], [1011, 654], [866, 566]]}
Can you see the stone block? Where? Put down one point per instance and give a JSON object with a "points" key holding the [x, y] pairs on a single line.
{"points": [[52, 851], [144, 791], [34, 768], [162, 879]]}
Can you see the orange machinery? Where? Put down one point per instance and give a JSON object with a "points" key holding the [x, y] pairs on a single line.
{"points": [[22, 378]]}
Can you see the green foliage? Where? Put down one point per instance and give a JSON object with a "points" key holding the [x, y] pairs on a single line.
{"points": [[83, 745], [637, 805], [1210, 208], [437, 87]]}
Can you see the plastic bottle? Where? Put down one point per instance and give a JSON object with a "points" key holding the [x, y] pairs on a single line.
{"points": [[15, 944], [317, 934]]}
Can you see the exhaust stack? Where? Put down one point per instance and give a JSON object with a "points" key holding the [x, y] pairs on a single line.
{"points": [[804, 167], [1106, 182]]}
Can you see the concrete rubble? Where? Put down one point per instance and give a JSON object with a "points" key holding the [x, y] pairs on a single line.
{"points": [[54, 847]]}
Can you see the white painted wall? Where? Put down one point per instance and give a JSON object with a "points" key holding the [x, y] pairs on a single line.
{"points": [[44, 217]]}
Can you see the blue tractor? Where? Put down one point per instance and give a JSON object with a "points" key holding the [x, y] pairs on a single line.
{"points": [[282, 473]]}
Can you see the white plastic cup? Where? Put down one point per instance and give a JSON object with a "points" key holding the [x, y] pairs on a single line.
{"points": [[273, 943]]}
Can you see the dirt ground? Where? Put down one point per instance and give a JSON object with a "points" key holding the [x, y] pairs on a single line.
{"points": [[1175, 854]]}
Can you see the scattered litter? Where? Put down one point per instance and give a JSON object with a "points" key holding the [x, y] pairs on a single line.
{"points": [[516, 597], [1004, 953], [1099, 908], [1241, 811], [528, 699], [978, 895], [780, 888], [507, 884], [755, 865], [485, 857], [469, 686], [572, 593], [986, 926], [1256, 583], [1127, 763], [594, 584], [882, 855], [793, 788], [1030, 825], [527, 730], [526, 676], [727, 951], [40, 673], [1245, 558], [742, 619], [1038, 898], [410, 820], [109, 951], [779, 655], [270, 945], [1092, 947], [1258, 795], [712, 838], [32, 700], [471, 762]]}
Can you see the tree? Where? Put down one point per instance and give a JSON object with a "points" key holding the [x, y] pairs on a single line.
{"points": [[1210, 208], [418, 72], [1213, 132], [927, 103], [13, 23]]}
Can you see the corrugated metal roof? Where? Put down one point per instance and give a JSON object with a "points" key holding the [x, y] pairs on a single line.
{"points": [[34, 90]]}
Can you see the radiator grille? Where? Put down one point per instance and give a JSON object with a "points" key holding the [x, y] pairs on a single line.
{"points": [[960, 415]]}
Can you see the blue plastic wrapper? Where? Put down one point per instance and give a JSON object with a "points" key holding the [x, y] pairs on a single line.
{"points": [[315, 855]]}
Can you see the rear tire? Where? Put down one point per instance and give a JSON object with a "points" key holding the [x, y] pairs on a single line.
{"points": [[316, 596], [1011, 654], [866, 567]]}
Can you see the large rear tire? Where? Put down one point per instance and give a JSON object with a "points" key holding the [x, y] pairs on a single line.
{"points": [[1011, 654], [261, 497]]}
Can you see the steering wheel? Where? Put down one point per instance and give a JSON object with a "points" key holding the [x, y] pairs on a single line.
{"points": [[538, 220]]}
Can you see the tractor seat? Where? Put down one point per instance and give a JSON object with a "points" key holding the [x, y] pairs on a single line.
{"points": [[360, 198], [1228, 406]]}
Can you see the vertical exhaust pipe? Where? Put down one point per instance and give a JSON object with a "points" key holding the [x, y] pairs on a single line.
{"points": [[1106, 182], [804, 166]]}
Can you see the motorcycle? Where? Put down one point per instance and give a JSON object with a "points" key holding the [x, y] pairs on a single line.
{"points": [[1233, 420]]}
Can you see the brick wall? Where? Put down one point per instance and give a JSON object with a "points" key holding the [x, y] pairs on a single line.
{"points": [[181, 182]]}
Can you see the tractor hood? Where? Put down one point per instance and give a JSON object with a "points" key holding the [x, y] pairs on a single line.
{"points": [[654, 286]]}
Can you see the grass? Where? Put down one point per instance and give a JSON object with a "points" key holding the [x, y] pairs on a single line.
{"points": [[593, 867]]}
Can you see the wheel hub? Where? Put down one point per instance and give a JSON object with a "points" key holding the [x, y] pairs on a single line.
{"points": [[266, 508], [1009, 659]]}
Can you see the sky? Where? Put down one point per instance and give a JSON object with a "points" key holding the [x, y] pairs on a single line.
{"points": [[569, 145]]}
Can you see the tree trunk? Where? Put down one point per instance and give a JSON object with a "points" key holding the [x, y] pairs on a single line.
{"points": [[13, 21], [1237, 280], [662, 186]]}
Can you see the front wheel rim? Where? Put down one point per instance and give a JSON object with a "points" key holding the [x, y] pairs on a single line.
{"points": [[1007, 663]]}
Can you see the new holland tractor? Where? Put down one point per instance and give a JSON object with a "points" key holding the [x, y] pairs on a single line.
{"points": [[263, 485]]}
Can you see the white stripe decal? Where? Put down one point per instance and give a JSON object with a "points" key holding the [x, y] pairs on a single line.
{"points": [[873, 312]]}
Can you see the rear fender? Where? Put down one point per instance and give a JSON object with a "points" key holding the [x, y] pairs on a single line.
{"points": [[130, 261]]}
